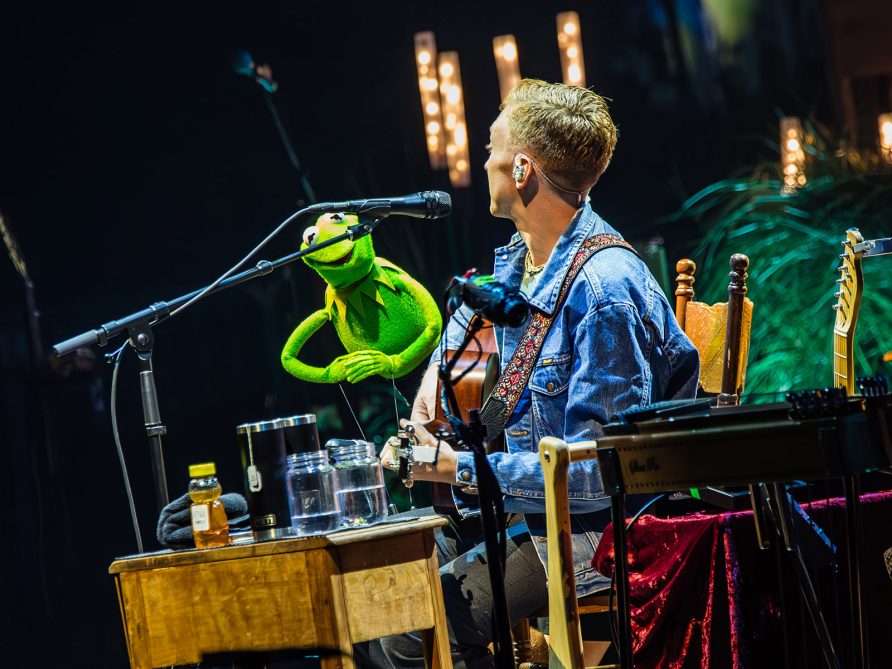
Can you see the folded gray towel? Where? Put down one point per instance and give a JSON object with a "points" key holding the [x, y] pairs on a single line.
{"points": [[175, 524]]}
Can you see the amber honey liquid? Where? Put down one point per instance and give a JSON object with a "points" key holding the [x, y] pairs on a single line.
{"points": [[209, 527]]}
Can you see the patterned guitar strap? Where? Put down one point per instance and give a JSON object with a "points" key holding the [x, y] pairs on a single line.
{"points": [[513, 380]]}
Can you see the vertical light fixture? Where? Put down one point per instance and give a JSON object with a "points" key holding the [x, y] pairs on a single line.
{"points": [[429, 87], [504, 48], [885, 127], [570, 45], [792, 153], [454, 126]]}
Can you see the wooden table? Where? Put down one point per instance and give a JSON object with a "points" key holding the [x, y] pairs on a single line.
{"points": [[324, 592]]}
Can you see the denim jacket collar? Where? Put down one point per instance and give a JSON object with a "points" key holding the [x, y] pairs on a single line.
{"points": [[508, 266]]}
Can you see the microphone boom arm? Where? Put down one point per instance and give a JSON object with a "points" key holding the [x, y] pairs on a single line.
{"points": [[160, 311]]}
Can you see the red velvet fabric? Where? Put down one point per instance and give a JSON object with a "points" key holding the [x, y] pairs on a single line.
{"points": [[703, 595]]}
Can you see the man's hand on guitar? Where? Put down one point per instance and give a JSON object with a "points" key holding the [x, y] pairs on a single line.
{"points": [[442, 472], [425, 405]]}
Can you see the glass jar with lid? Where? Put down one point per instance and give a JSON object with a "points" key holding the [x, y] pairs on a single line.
{"points": [[313, 493], [361, 491]]}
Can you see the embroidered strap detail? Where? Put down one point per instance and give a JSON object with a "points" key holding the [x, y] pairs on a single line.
{"points": [[511, 383]]}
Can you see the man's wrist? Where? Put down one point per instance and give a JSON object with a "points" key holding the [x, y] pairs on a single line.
{"points": [[464, 474]]}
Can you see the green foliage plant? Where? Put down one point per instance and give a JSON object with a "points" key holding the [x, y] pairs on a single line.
{"points": [[793, 243]]}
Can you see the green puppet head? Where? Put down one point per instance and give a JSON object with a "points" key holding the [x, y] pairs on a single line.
{"points": [[341, 264]]}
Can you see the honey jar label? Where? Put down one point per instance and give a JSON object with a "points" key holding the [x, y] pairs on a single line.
{"points": [[201, 518]]}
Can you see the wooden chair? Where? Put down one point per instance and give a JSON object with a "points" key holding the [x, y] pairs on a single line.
{"points": [[720, 332], [721, 328]]}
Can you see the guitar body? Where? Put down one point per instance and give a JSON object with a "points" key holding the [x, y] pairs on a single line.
{"points": [[481, 371]]}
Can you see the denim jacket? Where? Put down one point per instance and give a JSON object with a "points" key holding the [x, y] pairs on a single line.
{"points": [[614, 345]]}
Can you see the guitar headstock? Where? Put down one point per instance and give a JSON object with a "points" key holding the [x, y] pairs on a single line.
{"points": [[850, 282]]}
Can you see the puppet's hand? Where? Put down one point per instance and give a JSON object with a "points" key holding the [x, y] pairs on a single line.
{"points": [[337, 370], [362, 364]]}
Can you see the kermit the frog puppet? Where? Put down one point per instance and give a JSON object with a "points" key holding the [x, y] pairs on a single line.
{"points": [[385, 319]]}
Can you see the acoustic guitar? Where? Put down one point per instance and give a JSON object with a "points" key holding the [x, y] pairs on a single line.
{"points": [[478, 370]]}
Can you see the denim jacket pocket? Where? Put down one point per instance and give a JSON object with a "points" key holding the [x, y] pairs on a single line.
{"points": [[550, 378]]}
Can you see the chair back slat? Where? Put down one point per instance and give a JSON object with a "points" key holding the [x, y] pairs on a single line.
{"points": [[684, 288], [732, 383]]}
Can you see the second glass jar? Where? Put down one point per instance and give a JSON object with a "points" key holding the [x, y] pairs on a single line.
{"points": [[360, 480]]}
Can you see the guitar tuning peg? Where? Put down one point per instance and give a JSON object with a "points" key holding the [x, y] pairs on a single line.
{"points": [[837, 293], [836, 307], [842, 256], [841, 268], [841, 280]]}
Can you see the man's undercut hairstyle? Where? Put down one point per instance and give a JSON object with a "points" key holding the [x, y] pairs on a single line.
{"points": [[566, 129]]}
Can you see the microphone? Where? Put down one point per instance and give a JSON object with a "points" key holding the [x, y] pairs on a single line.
{"points": [[428, 204], [488, 298]]}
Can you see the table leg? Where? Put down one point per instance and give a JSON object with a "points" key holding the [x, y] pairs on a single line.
{"points": [[436, 640]]}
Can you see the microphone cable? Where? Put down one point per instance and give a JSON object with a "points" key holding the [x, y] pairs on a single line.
{"points": [[241, 262], [614, 619], [115, 359]]}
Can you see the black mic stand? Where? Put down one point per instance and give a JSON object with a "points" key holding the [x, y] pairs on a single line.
{"points": [[289, 148], [138, 326], [492, 511]]}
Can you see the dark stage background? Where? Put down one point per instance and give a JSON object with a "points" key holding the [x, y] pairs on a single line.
{"points": [[136, 166]]}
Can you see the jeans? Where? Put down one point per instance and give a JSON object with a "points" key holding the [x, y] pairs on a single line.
{"points": [[464, 576]]}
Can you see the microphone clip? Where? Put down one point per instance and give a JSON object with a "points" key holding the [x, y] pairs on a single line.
{"points": [[363, 228]]}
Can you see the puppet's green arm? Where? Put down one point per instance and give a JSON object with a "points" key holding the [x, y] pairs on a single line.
{"points": [[333, 373], [421, 348]]}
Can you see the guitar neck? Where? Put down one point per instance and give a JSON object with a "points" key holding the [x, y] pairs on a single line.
{"points": [[843, 361]]}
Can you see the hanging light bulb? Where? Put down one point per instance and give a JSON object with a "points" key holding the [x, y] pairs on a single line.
{"points": [[429, 88], [569, 36], [504, 49], [455, 129], [885, 128], [792, 154]]}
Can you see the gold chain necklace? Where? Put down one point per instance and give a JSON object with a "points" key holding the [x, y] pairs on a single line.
{"points": [[528, 266]]}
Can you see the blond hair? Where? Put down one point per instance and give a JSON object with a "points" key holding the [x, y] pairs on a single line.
{"points": [[566, 129]]}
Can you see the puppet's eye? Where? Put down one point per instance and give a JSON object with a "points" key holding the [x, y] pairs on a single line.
{"points": [[310, 235]]}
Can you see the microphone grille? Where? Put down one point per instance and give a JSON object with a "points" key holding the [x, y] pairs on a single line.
{"points": [[442, 204]]}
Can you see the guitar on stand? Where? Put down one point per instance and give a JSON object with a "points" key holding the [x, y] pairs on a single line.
{"points": [[848, 305]]}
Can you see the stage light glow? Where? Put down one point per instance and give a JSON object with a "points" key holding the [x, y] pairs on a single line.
{"points": [[461, 135], [885, 126], [504, 48], [569, 37], [792, 154], [429, 88], [456, 133]]}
